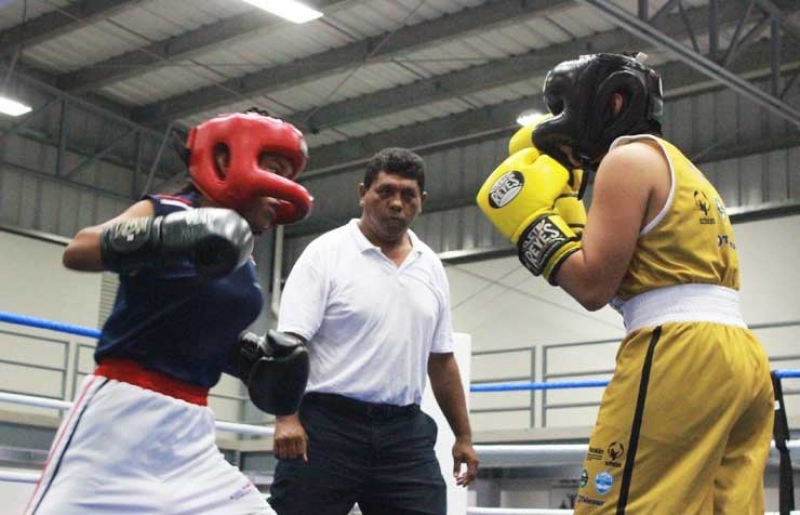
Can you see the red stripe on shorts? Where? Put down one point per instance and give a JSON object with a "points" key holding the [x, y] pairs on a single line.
{"points": [[131, 372]]}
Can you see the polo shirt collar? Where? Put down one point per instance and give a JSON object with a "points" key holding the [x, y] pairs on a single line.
{"points": [[364, 244]]}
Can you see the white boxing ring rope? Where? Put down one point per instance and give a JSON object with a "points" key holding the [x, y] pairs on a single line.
{"points": [[39, 402], [554, 453]]}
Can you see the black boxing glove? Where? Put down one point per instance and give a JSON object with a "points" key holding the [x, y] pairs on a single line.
{"points": [[217, 241], [274, 368]]}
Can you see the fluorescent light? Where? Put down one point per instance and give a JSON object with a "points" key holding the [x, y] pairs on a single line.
{"points": [[12, 107], [528, 117], [290, 9]]}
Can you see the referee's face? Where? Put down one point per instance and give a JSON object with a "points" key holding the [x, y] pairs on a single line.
{"points": [[390, 205]]}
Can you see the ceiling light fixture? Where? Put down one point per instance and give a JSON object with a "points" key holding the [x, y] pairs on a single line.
{"points": [[12, 107], [291, 10], [527, 117]]}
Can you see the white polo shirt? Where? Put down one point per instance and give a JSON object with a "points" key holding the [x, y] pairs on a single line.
{"points": [[370, 324]]}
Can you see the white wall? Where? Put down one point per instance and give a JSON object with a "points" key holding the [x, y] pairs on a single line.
{"points": [[36, 284], [769, 254]]}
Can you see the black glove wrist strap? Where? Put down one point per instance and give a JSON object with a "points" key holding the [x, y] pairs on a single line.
{"points": [[539, 242]]}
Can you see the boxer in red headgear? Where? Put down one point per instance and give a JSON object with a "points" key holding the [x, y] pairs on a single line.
{"points": [[188, 290], [232, 161]]}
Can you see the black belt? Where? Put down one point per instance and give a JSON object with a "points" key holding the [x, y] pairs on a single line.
{"points": [[360, 408]]}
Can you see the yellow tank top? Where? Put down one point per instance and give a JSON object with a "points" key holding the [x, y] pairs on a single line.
{"points": [[689, 241]]}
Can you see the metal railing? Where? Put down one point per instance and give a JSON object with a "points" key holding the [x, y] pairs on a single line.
{"points": [[70, 370], [556, 373], [61, 370]]}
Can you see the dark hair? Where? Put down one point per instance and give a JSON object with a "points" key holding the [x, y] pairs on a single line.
{"points": [[396, 161], [258, 110]]}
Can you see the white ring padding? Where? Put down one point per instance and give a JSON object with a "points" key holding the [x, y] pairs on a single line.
{"points": [[244, 429], [523, 455], [32, 477], [228, 427], [14, 476], [515, 511], [471, 510], [29, 400]]}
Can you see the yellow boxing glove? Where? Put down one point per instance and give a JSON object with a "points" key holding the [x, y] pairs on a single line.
{"points": [[519, 198], [523, 138], [568, 204]]}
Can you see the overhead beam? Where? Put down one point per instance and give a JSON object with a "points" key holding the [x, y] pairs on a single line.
{"points": [[60, 21], [41, 83], [44, 82], [779, 12], [382, 47], [457, 127], [497, 73], [679, 79], [696, 60], [47, 177], [180, 47]]}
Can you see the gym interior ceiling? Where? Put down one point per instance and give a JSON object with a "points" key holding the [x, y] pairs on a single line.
{"points": [[424, 74]]}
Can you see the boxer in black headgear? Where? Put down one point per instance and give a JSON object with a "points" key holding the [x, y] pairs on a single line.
{"points": [[686, 422], [579, 95]]}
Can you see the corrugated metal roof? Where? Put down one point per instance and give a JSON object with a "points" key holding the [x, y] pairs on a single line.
{"points": [[157, 20], [349, 84], [429, 74], [164, 82], [285, 44], [84, 47], [358, 28], [130, 29], [366, 19], [386, 122], [13, 12]]}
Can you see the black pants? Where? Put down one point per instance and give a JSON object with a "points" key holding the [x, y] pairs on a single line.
{"points": [[381, 457]]}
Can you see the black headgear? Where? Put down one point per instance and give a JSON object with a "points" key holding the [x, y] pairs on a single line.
{"points": [[578, 94]]}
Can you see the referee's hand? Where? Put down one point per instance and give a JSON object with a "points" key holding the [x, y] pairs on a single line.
{"points": [[290, 441], [464, 454]]}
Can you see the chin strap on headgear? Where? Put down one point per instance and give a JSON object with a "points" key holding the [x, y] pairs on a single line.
{"points": [[247, 136], [579, 92]]}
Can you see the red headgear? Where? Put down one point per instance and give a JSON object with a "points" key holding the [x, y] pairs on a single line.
{"points": [[247, 136]]}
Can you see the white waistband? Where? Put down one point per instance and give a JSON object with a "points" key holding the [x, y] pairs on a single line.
{"points": [[683, 303]]}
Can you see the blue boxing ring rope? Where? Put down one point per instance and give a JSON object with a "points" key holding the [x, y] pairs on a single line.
{"points": [[560, 453], [41, 323], [47, 324]]}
